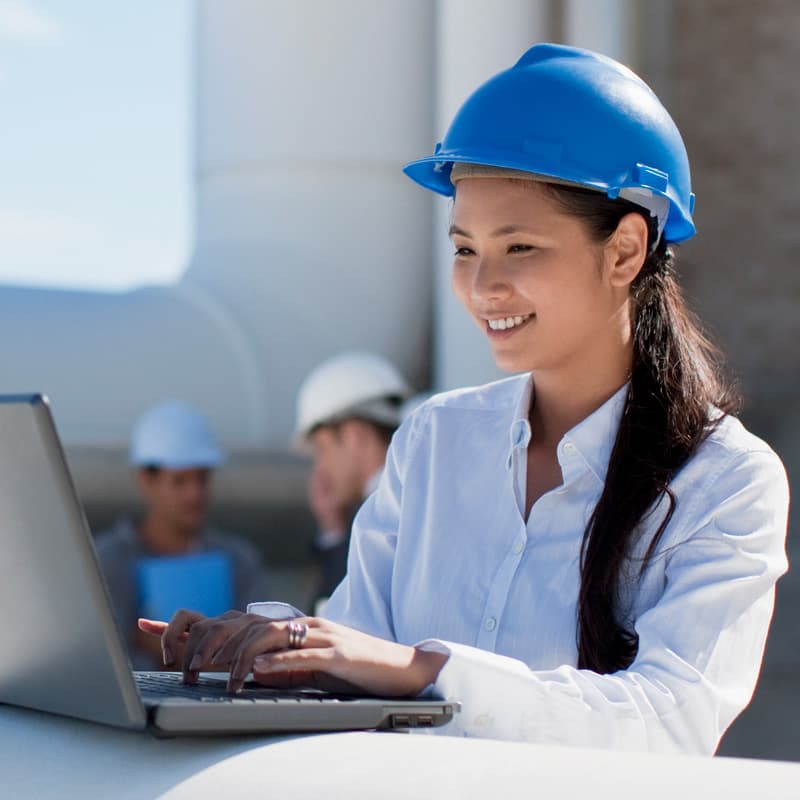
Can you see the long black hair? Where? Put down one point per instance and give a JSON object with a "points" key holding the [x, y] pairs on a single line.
{"points": [[677, 378]]}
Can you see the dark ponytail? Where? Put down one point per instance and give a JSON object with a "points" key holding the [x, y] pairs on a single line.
{"points": [[676, 379]]}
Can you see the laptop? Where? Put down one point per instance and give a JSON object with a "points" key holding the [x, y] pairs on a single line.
{"points": [[62, 651]]}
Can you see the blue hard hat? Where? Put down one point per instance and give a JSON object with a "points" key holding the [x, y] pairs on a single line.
{"points": [[174, 435], [577, 117]]}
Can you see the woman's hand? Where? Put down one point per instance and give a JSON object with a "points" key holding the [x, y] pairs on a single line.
{"points": [[180, 635], [331, 657]]}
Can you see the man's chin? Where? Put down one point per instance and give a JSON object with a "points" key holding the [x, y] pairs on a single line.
{"points": [[192, 524]]}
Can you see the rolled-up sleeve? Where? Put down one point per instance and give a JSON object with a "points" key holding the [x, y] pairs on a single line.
{"points": [[701, 642]]}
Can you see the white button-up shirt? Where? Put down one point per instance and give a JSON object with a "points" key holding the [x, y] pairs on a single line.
{"points": [[441, 556]]}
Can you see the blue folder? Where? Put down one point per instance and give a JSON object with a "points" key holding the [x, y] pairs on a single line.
{"points": [[200, 582]]}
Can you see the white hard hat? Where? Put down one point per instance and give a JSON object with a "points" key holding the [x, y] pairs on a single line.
{"points": [[353, 384], [174, 435]]}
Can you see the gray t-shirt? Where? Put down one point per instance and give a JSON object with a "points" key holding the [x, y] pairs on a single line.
{"points": [[120, 548]]}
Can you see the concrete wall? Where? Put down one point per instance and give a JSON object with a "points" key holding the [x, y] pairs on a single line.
{"points": [[732, 87]]}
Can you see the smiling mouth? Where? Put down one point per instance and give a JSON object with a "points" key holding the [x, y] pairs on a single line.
{"points": [[507, 323]]}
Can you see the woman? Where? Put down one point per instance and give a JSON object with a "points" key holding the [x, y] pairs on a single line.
{"points": [[585, 553]]}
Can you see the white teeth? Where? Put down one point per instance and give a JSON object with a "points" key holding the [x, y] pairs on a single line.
{"points": [[508, 322]]}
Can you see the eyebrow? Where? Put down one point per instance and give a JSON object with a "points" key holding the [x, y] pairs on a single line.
{"points": [[504, 230]]}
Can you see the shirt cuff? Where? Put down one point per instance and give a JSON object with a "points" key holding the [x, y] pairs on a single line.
{"points": [[328, 539], [433, 690], [274, 610], [488, 687]]}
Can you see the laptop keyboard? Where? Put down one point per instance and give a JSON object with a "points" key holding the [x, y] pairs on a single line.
{"points": [[170, 684]]}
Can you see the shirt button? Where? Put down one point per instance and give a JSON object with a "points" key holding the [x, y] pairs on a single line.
{"points": [[519, 546], [491, 624], [569, 449]]}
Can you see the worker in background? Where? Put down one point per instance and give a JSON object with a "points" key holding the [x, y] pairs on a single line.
{"points": [[169, 557], [347, 410]]}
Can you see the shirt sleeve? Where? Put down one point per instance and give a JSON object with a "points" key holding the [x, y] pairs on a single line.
{"points": [[117, 560], [700, 644], [274, 609]]}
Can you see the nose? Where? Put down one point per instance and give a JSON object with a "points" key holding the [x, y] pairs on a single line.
{"points": [[490, 280]]}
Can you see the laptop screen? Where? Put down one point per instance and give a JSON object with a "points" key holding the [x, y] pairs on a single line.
{"points": [[62, 651]]}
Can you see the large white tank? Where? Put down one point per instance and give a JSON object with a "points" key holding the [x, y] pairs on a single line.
{"points": [[309, 238]]}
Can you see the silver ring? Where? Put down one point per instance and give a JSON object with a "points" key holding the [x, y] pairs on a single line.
{"points": [[298, 631]]}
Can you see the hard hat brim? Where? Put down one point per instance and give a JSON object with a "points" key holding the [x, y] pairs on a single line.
{"points": [[434, 173]]}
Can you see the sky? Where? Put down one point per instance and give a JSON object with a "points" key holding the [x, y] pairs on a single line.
{"points": [[95, 142]]}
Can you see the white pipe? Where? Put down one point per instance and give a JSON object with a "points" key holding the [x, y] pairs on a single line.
{"points": [[309, 238], [102, 358], [607, 26], [307, 229]]}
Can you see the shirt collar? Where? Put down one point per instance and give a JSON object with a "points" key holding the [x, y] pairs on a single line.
{"points": [[593, 437]]}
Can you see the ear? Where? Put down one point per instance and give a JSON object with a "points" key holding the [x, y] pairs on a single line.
{"points": [[626, 251]]}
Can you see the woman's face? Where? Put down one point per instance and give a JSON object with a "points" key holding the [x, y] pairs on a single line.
{"points": [[533, 280]]}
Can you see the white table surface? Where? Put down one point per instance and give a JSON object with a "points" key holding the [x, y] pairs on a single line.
{"points": [[43, 756]]}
